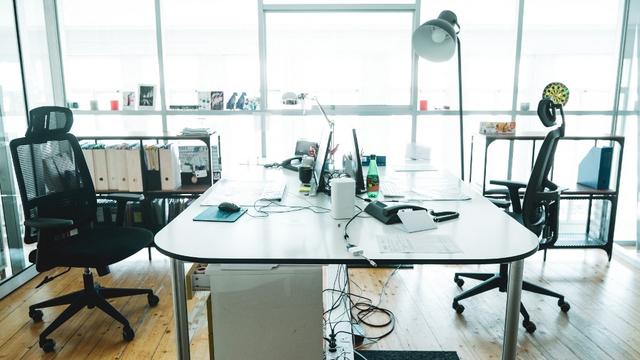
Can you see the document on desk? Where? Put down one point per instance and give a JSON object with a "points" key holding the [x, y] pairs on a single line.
{"points": [[244, 192], [425, 244]]}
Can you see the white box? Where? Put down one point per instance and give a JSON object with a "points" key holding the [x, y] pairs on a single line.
{"points": [[134, 170], [100, 169], [117, 165], [88, 158], [170, 168], [267, 314]]}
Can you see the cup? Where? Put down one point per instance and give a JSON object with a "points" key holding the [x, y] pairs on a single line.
{"points": [[115, 105], [93, 105], [343, 194], [423, 105], [305, 173]]}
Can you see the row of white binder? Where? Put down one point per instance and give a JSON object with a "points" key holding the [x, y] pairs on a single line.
{"points": [[120, 167]]}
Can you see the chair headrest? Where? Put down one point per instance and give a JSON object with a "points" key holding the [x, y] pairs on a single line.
{"points": [[49, 122]]}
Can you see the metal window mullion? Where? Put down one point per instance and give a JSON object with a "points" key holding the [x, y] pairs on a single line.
{"points": [[163, 97], [337, 7], [621, 52], [56, 65], [413, 103], [262, 53]]}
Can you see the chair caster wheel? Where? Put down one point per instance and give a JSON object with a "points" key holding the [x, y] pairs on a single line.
{"points": [[457, 307], [458, 282], [47, 345], [529, 326], [127, 333], [35, 315], [153, 300], [564, 306]]}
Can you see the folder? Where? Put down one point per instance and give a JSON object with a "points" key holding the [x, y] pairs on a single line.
{"points": [[88, 158], [117, 168], [134, 169], [595, 169], [100, 169], [169, 167], [151, 170]]}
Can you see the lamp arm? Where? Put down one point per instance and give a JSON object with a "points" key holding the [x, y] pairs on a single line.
{"points": [[329, 121], [461, 125]]}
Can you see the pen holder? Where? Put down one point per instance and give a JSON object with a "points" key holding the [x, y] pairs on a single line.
{"points": [[343, 193]]}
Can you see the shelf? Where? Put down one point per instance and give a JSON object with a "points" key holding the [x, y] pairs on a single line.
{"points": [[167, 112], [192, 189], [576, 190]]}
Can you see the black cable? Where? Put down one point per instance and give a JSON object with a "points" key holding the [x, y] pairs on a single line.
{"points": [[51, 278]]}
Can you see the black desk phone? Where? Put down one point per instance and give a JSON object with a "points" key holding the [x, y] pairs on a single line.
{"points": [[388, 214]]}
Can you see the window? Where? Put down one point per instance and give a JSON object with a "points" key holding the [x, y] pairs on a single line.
{"points": [[580, 51], [108, 47], [343, 58], [488, 39], [210, 46]]}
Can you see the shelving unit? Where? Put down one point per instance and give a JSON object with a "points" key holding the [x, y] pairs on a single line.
{"points": [[575, 192], [186, 191]]}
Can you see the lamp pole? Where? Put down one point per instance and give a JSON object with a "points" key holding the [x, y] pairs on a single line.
{"points": [[461, 125]]}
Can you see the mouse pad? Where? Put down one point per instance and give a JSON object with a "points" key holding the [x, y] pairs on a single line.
{"points": [[214, 214]]}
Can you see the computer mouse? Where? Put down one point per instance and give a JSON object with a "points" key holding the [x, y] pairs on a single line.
{"points": [[228, 207]]}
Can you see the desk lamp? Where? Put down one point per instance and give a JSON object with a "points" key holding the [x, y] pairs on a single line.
{"points": [[436, 41], [290, 98]]}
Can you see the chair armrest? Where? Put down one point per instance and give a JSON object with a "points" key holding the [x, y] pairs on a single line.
{"points": [[124, 197], [514, 195], [509, 184], [48, 223]]}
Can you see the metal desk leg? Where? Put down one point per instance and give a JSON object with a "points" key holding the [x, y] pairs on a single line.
{"points": [[512, 317], [180, 309]]}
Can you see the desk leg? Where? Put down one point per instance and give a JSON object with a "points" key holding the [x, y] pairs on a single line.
{"points": [[180, 309], [512, 317]]}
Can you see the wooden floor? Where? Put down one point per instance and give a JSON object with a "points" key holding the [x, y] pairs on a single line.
{"points": [[604, 321]]}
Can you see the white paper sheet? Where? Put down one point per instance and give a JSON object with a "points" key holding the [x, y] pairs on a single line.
{"points": [[426, 244]]}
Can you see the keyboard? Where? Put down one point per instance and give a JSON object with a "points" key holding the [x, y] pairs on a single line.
{"points": [[273, 191], [390, 190]]}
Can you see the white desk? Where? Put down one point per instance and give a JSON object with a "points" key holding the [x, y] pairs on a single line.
{"points": [[483, 234]]}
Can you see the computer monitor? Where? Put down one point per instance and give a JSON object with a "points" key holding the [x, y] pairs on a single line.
{"points": [[356, 164], [321, 160]]}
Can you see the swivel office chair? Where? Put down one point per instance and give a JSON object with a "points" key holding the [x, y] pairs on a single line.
{"points": [[59, 203], [538, 212]]}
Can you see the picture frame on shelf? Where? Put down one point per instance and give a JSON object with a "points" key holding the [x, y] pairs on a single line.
{"points": [[146, 97], [204, 100], [217, 100], [128, 100]]}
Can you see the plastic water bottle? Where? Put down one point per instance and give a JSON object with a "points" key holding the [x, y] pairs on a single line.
{"points": [[373, 180]]}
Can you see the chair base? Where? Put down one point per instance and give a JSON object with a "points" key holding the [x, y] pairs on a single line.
{"points": [[499, 280], [91, 296]]}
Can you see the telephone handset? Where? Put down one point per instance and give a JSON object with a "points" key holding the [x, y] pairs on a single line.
{"points": [[389, 214], [292, 163]]}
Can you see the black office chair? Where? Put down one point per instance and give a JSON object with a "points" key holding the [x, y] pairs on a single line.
{"points": [[538, 212], [59, 203]]}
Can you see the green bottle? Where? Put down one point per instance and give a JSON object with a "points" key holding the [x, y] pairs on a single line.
{"points": [[373, 180]]}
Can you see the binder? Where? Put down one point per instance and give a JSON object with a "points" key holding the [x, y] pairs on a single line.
{"points": [[117, 168], [151, 174], [595, 169], [134, 169], [100, 169], [169, 168], [88, 158]]}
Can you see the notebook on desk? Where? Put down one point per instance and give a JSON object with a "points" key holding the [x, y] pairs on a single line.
{"points": [[245, 192]]}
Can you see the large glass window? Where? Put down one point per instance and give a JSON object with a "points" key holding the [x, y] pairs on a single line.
{"points": [[343, 58], [108, 47], [35, 53], [488, 39], [210, 46], [574, 42]]}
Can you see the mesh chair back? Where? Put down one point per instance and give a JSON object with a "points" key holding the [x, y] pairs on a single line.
{"points": [[51, 171], [535, 211]]}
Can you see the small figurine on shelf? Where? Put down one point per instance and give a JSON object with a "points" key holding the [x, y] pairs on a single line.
{"points": [[231, 104], [241, 101]]}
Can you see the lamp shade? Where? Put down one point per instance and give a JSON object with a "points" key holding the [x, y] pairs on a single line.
{"points": [[436, 39]]}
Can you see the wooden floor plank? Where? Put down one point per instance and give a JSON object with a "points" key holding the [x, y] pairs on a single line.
{"points": [[603, 322]]}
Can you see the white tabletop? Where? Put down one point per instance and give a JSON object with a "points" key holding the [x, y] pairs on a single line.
{"points": [[482, 234]]}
